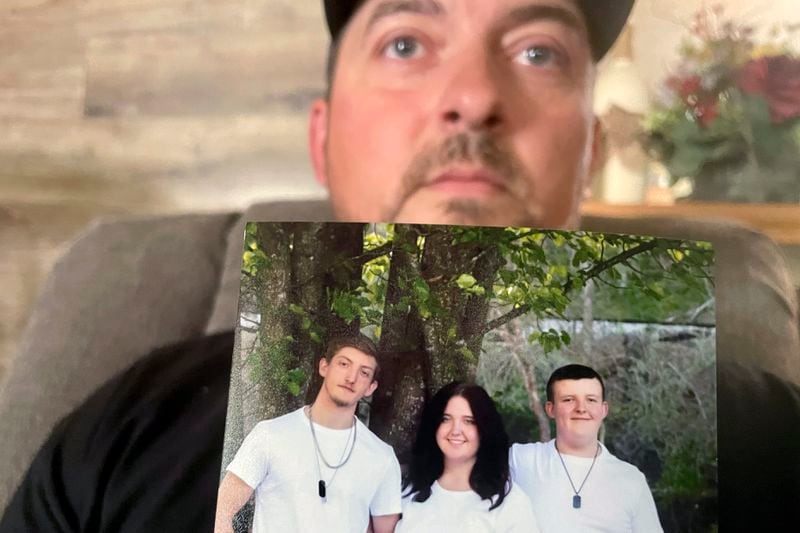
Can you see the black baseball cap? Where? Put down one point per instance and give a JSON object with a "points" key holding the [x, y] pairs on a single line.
{"points": [[604, 19]]}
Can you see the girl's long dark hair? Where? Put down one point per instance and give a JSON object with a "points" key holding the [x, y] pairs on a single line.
{"points": [[490, 475]]}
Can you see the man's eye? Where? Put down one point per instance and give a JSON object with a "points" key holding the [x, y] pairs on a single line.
{"points": [[403, 48], [539, 56]]}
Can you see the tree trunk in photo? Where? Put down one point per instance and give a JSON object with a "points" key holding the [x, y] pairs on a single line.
{"points": [[404, 401], [588, 322], [534, 401], [453, 339], [512, 335], [266, 395], [308, 292], [401, 384]]}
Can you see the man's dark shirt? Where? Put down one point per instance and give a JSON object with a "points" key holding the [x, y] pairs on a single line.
{"points": [[144, 452]]}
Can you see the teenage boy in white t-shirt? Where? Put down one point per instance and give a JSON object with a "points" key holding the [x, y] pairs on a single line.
{"points": [[318, 468], [575, 484]]}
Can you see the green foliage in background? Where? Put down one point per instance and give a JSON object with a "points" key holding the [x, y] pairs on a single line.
{"points": [[540, 274]]}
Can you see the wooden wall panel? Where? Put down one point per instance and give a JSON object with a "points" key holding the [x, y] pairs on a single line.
{"points": [[144, 106], [42, 73], [167, 73], [42, 93], [131, 147]]}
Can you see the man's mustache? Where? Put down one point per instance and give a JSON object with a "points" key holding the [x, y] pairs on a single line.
{"points": [[471, 148]]}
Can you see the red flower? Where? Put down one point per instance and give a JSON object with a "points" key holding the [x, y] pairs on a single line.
{"points": [[685, 87], [706, 112], [777, 80], [702, 103]]}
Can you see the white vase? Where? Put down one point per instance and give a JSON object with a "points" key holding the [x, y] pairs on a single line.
{"points": [[625, 179]]}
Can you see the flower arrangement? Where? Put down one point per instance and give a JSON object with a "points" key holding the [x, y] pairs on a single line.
{"points": [[729, 115]]}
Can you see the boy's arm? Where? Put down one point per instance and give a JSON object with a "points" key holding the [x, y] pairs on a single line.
{"points": [[385, 506], [233, 494], [385, 523]]}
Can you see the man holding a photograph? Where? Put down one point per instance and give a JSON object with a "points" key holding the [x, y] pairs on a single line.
{"points": [[573, 481], [439, 111], [318, 468]]}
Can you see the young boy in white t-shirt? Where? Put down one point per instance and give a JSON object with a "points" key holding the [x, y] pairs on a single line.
{"points": [[575, 484], [318, 468]]}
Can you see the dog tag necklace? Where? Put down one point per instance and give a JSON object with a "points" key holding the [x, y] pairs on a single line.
{"points": [[576, 499], [322, 486]]}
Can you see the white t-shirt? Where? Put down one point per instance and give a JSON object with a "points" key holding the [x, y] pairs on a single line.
{"points": [[277, 460], [447, 511], [615, 498]]}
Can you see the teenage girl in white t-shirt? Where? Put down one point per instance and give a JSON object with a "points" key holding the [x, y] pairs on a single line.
{"points": [[458, 478]]}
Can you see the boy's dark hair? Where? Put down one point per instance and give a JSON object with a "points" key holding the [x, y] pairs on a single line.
{"points": [[490, 474], [574, 371], [360, 342]]}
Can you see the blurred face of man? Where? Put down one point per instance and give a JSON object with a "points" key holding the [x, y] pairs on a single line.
{"points": [[578, 410], [458, 111]]}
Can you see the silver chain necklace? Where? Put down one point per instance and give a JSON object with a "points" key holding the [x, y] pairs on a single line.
{"points": [[322, 486], [576, 499]]}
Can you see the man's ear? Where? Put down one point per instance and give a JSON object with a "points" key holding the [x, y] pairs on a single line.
{"points": [[605, 409], [371, 389], [318, 139], [323, 367], [548, 408]]}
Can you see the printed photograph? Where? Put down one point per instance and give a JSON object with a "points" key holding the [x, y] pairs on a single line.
{"points": [[395, 377]]}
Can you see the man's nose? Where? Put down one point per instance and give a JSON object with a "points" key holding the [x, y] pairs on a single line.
{"points": [[471, 95]]}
